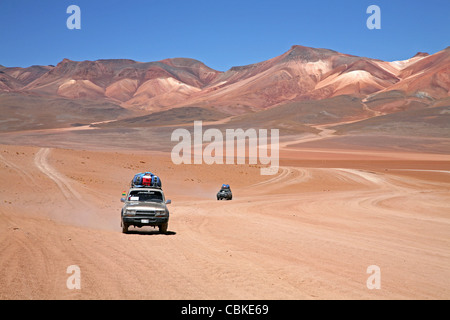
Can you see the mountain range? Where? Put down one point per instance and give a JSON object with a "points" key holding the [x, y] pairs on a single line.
{"points": [[90, 91]]}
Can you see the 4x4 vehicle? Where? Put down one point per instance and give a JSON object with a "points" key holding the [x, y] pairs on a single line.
{"points": [[145, 207], [225, 193]]}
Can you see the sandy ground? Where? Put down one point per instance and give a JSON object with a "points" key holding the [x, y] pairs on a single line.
{"points": [[309, 232]]}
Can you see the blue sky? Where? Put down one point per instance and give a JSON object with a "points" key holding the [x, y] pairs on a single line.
{"points": [[221, 34]]}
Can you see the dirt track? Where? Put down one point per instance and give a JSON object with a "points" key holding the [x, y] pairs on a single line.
{"points": [[307, 233]]}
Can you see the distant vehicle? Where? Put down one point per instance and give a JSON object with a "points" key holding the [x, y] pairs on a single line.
{"points": [[145, 207], [225, 193]]}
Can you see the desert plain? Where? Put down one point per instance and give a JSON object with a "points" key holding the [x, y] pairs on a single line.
{"points": [[308, 232]]}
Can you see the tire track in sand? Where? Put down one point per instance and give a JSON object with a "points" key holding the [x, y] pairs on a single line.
{"points": [[25, 176], [71, 195]]}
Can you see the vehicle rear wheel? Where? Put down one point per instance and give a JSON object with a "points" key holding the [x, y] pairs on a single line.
{"points": [[163, 227]]}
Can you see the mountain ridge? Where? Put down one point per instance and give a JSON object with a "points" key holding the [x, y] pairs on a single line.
{"points": [[301, 73]]}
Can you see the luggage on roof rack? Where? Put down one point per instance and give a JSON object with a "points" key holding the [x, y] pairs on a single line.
{"points": [[146, 180]]}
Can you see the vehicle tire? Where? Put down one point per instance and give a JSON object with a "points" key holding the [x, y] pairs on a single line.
{"points": [[163, 227], [124, 228]]}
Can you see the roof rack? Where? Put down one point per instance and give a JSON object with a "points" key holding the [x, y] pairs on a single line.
{"points": [[141, 186]]}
